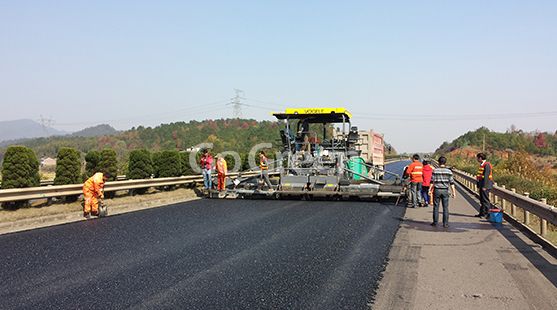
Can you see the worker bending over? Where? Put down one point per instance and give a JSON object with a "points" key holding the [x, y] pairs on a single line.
{"points": [[93, 192]]}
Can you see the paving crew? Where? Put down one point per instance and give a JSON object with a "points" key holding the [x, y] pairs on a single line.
{"points": [[415, 172], [484, 180], [93, 192], [264, 166], [427, 172], [206, 163], [221, 171]]}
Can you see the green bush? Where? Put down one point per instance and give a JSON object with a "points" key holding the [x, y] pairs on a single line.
{"points": [[20, 168], [68, 166], [140, 165], [92, 160], [108, 163], [186, 167], [167, 164]]}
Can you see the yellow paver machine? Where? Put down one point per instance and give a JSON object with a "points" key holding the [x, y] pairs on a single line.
{"points": [[319, 158]]}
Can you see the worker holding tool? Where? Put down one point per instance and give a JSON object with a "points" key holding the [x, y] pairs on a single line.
{"points": [[221, 171], [93, 193]]}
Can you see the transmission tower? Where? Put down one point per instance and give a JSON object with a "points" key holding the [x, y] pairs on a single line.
{"points": [[236, 103], [46, 123]]}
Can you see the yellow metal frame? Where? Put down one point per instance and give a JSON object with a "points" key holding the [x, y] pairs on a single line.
{"points": [[313, 111]]}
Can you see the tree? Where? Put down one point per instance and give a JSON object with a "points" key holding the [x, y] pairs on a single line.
{"points": [[68, 166], [140, 164], [108, 163], [20, 169], [92, 160], [168, 164]]}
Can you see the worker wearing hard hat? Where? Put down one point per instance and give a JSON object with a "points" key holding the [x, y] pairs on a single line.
{"points": [[93, 192]]}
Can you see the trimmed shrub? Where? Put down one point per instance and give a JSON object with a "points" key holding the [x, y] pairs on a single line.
{"points": [[68, 166], [109, 163], [92, 160], [185, 160], [140, 164], [20, 169], [168, 164]]}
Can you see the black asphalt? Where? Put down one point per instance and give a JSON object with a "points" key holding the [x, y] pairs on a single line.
{"points": [[205, 254]]}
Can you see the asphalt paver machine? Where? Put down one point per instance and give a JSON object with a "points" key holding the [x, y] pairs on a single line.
{"points": [[319, 158]]}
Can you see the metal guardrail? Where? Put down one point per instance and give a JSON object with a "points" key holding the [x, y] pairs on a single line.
{"points": [[509, 200], [51, 182], [20, 194]]}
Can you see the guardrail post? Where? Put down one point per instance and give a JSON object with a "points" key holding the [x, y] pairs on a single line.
{"points": [[526, 213], [543, 223], [513, 206], [503, 201], [494, 197]]}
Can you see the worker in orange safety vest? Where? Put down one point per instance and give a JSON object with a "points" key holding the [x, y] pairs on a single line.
{"points": [[221, 171], [93, 192], [415, 172], [484, 180]]}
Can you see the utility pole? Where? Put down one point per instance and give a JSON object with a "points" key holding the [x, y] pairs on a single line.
{"points": [[237, 103], [483, 147]]}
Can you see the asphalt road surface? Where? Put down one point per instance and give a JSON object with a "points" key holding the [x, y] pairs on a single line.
{"points": [[205, 254]]}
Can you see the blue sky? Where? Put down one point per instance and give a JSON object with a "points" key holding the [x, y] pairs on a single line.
{"points": [[421, 72]]}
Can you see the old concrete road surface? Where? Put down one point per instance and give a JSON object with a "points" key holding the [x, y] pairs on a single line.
{"points": [[205, 254], [471, 265]]}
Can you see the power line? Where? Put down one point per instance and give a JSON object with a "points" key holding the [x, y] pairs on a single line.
{"points": [[189, 109]]}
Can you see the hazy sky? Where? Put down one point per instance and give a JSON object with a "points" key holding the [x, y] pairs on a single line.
{"points": [[421, 72]]}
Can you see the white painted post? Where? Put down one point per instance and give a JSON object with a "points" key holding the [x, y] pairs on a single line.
{"points": [[543, 223], [526, 213], [503, 201], [513, 206]]}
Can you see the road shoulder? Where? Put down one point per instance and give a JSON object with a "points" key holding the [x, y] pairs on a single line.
{"points": [[471, 265]]}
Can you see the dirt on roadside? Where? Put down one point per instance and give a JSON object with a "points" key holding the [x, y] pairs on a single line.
{"points": [[40, 208]]}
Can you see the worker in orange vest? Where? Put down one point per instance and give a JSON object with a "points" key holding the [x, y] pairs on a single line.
{"points": [[484, 180], [221, 171], [415, 172], [264, 166], [93, 192]]}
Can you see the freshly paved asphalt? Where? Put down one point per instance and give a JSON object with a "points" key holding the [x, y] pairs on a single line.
{"points": [[205, 254]]}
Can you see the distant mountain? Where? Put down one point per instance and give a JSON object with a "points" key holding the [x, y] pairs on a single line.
{"points": [[25, 129], [95, 131]]}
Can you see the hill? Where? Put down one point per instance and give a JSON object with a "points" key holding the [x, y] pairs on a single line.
{"points": [[523, 160], [538, 143], [25, 129], [95, 131], [226, 134]]}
